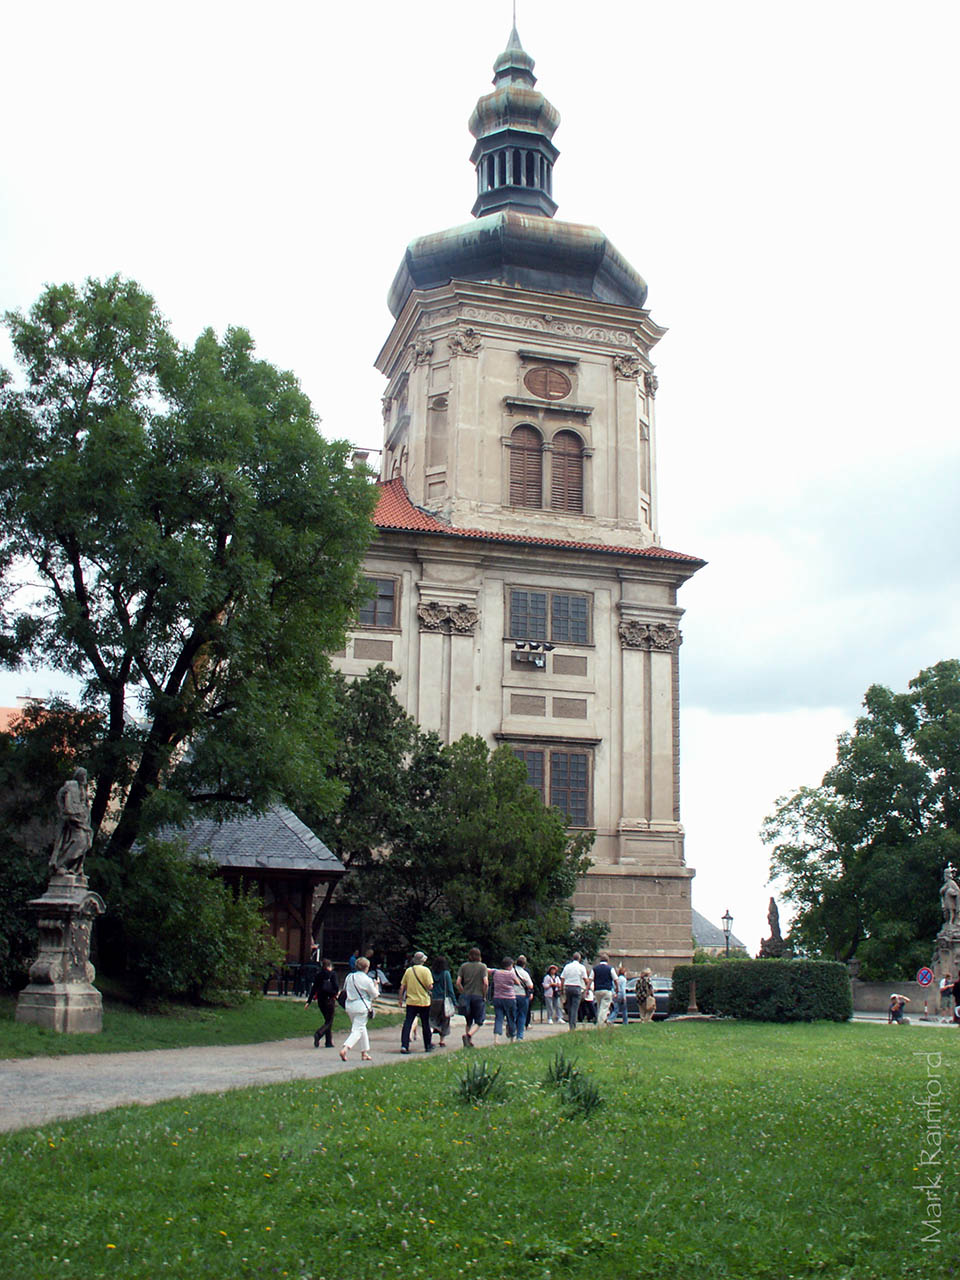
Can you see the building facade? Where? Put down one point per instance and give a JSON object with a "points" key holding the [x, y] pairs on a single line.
{"points": [[521, 590]]}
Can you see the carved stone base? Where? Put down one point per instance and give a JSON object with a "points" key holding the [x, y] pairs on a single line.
{"points": [[61, 995], [65, 1006]]}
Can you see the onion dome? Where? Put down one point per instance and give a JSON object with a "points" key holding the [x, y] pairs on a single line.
{"points": [[513, 126], [515, 239]]}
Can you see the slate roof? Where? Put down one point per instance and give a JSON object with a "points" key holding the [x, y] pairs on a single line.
{"points": [[395, 512], [275, 840], [706, 934]]}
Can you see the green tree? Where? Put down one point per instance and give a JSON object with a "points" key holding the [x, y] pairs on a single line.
{"points": [[862, 855], [175, 530], [445, 843]]}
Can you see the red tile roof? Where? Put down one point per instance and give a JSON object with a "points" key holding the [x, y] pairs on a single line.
{"points": [[395, 512]]}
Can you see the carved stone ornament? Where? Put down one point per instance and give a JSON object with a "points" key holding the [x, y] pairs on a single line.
{"points": [[422, 349], [464, 342], [386, 404], [549, 324], [626, 365], [650, 383], [658, 636], [447, 618]]}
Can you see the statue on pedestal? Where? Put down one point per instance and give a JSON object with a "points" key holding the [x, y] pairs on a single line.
{"points": [[772, 948], [946, 953], [60, 994]]}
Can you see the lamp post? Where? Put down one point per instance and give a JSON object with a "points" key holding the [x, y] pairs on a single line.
{"points": [[727, 921]]}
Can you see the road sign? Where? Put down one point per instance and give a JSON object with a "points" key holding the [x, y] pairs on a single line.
{"points": [[924, 977]]}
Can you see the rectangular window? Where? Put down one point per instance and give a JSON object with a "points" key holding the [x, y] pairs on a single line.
{"points": [[528, 615], [564, 775], [549, 615], [569, 620], [381, 609]]}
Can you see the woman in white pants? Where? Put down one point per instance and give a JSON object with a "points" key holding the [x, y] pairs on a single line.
{"points": [[361, 992]]}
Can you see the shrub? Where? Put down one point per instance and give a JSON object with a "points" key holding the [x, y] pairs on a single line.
{"points": [[581, 1096], [478, 1083], [23, 875], [560, 1070], [177, 931], [766, 990]]}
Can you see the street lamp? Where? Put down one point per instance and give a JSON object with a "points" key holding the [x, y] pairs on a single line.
{"points": [[727, 921]]}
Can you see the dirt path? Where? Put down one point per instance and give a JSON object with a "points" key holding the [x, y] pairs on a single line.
{"points": [[36, 1091]]}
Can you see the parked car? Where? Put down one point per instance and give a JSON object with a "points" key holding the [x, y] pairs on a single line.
{"points": [[661, 991]]}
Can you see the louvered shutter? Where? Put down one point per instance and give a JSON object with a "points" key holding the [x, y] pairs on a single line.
{"points": [[567, 483], [526, 468]]}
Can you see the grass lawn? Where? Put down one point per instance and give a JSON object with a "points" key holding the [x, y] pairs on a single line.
{"points": [[124, 1028], [722, 1150]]}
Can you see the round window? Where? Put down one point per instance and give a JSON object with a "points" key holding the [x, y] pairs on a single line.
{"points": [[547, 384]]}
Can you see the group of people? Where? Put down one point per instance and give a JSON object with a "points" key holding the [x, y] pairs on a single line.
{"points": [[430, 996], [949, 1002]]}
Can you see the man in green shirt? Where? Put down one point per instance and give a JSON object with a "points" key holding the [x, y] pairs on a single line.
{"points": [[415, 987], [472, 982]]}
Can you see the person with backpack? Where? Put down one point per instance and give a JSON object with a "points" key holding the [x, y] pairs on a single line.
{"points": [[324, 991]]}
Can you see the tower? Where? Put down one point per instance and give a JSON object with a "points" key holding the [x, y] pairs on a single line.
{"points": [[521, 589]]}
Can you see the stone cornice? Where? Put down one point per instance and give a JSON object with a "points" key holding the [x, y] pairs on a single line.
{"points": [[519, 404]]}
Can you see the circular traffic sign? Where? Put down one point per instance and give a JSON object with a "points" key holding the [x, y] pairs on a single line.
{"points": [[925, 976]]}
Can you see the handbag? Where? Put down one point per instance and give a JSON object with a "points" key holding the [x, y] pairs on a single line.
{"points": [[449, 1008], [342, 997], [357, 995]]}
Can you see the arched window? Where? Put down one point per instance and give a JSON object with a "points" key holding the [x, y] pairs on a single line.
{"points": [[566, 489], [526, 468]]}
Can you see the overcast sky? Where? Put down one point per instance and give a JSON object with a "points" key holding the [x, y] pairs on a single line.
{"points": [[783, 176]]}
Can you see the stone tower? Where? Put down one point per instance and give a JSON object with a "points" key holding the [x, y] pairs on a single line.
{"points": [[522, 592]]}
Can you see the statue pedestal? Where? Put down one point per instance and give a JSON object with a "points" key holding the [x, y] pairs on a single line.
{"points": [[60, 994], [946, 958]]}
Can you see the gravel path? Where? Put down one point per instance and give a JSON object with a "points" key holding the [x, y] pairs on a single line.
{"points": [[36, 1091]]}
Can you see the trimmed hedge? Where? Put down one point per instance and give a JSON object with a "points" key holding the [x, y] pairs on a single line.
{"points": [[766, 990]]}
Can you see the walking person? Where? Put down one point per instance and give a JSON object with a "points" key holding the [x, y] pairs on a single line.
{"points": [[324, 991], [588, 1001], [442, 1004], [646, 1000], [504, 1000], [472, 982], [946, 996], [619, 1009], [551, 994], [573, 981], [523, 994], [604, 981], [415, 988], [361, 991]]}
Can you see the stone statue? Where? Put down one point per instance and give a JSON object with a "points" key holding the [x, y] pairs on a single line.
{"points": [[772, 948], [950, 895], [75, 835], [60, 994]]}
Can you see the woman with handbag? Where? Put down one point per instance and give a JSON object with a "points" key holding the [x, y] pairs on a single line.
{"points": [[443, 1004], [360, 991], [646, 1000]]}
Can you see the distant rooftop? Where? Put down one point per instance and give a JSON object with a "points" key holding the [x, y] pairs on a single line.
{"points": [[706, 934]]}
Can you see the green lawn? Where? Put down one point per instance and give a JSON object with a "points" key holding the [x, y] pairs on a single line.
{"points": [[723, 1150], [125, 1028]]}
